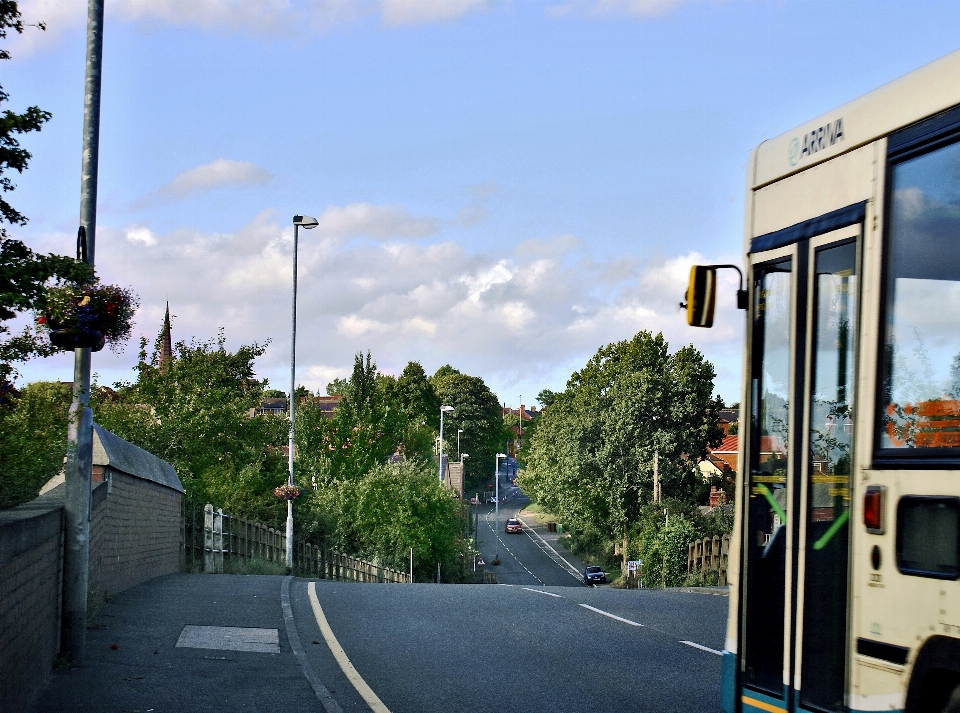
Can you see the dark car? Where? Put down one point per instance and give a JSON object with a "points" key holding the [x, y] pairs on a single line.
{"points": [[594, 575], [513, 525]]}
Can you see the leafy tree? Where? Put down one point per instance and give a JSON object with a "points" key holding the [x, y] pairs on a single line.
{"points": [[478, 413], [337, 386], [33, 440], [24, 274], [197, 413], [546, 397], [395, 507], [366, 429], [591, 457]]}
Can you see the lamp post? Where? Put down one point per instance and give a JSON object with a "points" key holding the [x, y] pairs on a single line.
{"points": [[309, 223], [496, 480], [443, 410], [459, 431]]}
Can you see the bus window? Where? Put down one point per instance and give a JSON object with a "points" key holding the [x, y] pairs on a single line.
{"points": [[828, 489], [921, 370], [768, 513]]}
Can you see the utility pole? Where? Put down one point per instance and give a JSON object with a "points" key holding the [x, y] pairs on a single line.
{"points": [[77, 471], [656, 477]]}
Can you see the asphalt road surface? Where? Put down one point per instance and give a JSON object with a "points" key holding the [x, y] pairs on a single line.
{"points": [[525, 558], [511, 648]]}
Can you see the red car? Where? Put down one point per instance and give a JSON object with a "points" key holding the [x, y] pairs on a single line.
{"points": [[513, 525]]}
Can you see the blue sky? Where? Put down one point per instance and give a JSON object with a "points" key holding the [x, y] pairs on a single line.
{"points": [[502, 185]]}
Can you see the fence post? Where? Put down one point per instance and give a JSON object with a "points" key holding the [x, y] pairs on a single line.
{"points": [[208, 538]]}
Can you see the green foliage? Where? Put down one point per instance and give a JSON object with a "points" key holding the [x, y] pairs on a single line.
{"points": [[196, 413], [478, 413], [33, 440], [591, 457], [546, 398], [394, 507], [662, 546]]}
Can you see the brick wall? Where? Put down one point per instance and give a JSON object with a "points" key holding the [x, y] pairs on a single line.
{"points": [[134, 537], [134, 533], [31, 552]]}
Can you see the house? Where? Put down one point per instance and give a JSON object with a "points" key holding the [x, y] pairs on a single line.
{"points": [[771, 448], [524, 415], [729, 420]]}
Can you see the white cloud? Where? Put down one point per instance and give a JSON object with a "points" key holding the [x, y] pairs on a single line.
{"points": [[418, 12], [139, 234], [270, 18], [531, 314], [615, 8], [374, 221], [221, 172]]}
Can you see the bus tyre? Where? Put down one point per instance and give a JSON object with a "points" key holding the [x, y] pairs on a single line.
{"points": [[953, 703]]}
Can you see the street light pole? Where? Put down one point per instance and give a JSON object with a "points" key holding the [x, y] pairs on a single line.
{"points": [[459, 431], [443, 410], [308, 223], [496, 480], [77, 470]]}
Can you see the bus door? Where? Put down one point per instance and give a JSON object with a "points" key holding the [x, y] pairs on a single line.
{"points": [[796, 538]]}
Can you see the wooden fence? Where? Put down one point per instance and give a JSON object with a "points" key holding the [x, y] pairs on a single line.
{"points": [[710, 554], [211, 540]]}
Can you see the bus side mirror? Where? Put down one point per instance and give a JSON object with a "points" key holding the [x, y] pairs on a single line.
{"points": [[701, 296]]}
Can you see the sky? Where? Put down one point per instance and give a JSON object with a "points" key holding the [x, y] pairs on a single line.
{"points": [[504, 186]]}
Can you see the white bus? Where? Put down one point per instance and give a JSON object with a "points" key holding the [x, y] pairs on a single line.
{"points": [[845, 562]]}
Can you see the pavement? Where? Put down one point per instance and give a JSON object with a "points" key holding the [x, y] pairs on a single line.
{"points": [[134, 665]]}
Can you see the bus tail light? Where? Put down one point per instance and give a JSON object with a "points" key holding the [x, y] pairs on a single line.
{"points": [[873, 509]]}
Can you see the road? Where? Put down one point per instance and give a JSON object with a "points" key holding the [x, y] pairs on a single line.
{"points": [[525, 558], [425, 648]]}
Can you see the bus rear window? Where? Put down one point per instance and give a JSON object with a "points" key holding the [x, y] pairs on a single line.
{"points": [[920, 400], [928, 537]]}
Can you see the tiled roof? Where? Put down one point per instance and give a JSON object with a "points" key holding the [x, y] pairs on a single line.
{"points": [[768, 444]]}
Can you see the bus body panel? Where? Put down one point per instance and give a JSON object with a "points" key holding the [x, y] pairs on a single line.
{"points": [[924, 92], [841, 159]]}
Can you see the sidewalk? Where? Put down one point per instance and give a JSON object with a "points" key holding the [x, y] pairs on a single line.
{"points": [[134, 663]]}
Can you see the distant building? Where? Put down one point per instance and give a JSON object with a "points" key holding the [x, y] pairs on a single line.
{"points": [[526, 415]]}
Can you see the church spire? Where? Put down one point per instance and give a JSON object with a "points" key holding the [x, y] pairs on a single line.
{"points": [[166, 347]]}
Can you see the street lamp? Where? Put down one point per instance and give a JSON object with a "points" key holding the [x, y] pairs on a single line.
{"points": [[443, 410], [459, 431], [496, 503], [299, 221]]}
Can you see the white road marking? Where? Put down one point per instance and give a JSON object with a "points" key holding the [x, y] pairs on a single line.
{"points": [[702, 648], [553, 554], [612, 616], [376, 705], [497, 535], [540, 591]]}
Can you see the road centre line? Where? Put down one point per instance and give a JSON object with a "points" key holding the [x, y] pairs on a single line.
{"points": [[497, 535], [540, 591], [612, 616], [702, 648], [376, 705]]}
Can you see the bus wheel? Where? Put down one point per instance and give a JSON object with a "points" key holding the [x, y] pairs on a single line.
{"points": [[953, 703]]}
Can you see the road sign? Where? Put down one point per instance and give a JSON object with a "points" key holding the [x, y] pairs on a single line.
{"points": [[632, 566]]}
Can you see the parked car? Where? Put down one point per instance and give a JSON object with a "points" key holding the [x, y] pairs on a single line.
{"points": [[594, 575], [513, 525]]}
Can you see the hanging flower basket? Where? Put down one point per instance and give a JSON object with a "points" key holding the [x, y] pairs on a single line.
{"points": [[288, 492], [69, 339], [88, 316]]}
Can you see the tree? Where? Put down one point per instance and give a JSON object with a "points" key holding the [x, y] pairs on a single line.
{"points": [[393, 508], [591, 457], [478, 413], [546, 397], [24, 274], [33, 440], [197, 413]]}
